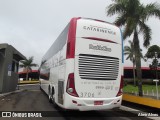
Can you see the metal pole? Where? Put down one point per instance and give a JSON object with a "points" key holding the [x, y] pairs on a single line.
{"points": [[156, 64], [157, 88]]}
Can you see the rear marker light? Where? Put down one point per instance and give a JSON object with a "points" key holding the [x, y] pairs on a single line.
{"points": [[79, 105], [75, 102], [118, 100]]}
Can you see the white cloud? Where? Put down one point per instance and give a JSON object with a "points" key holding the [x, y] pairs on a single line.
{"points": [[31, 26]]}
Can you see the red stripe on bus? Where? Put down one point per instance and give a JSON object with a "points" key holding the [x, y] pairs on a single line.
{"points": [[99, 39]]}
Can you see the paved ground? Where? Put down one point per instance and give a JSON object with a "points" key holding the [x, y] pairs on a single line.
{"points": [[32, 99]]}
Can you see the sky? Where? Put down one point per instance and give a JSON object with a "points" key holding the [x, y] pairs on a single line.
{"points": [[31, 26]]}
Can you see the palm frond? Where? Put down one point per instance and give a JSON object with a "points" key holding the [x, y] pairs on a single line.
{"points": [[129, 28], [129, 50], [128, 57], [146, 31], [21, 65], [152, 9], [28, 63], [117, 7], [121, 20], [33, 65]]}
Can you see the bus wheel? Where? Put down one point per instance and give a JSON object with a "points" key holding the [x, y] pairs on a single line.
{"points": [[53, 98], [40, 86], [49, 95], [53, 101]]}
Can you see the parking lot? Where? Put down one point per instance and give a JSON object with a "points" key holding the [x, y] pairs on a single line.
{"points": [[31, 99]]}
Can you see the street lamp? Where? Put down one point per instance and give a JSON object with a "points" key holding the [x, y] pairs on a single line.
{"points": [[155, 80], [156, 55]]}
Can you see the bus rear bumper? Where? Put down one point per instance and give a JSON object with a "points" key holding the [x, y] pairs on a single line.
{"points": [[87, 104]]}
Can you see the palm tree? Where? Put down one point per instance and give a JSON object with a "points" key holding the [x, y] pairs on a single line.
{"points": [[27, 64], [129, 50], [133, 16]]}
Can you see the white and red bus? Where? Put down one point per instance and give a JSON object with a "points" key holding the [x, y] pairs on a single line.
{"points": [[83, 69]]}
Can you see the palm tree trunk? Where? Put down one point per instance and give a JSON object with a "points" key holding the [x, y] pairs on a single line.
{"points": [[27, 74], [138, 62], [134, 74]]}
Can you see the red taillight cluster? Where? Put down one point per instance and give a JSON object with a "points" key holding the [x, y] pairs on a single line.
{"points": [[71, 85], [71, 38], [120, 92]]}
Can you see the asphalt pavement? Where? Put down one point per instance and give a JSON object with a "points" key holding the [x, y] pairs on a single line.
{"points": [[31, 99]]}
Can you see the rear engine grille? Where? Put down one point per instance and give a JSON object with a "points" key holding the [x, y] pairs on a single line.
{"points": [[96, 67]]}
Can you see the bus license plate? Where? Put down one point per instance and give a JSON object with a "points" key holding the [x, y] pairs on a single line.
{"points": [[98, 102]]}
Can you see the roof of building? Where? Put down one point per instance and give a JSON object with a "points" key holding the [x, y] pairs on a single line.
{"points": [[16, 54], [142, 68], [24, 72]]}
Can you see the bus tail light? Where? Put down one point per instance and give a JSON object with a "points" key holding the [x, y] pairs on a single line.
{"points": [[71, 38], [120, 92], [71, 86]]}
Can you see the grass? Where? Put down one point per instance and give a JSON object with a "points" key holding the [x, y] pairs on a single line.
{"points": [[130, 88]]}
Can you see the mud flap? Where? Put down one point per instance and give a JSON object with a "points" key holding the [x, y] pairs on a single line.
{"points": [[60, 91]]}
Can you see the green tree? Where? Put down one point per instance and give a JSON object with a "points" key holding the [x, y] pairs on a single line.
{"points": [[129, 50], [27, 64], [133, 16], [154, 54], [151, 52]]}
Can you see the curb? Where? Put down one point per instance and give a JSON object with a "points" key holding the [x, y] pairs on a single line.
{"points": [[28, 82], [16, 91], [142, 100]]}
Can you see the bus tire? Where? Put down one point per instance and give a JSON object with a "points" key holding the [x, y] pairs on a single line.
{"points": [[53, 98], [54, 103], [40, 88], [50, 95]]}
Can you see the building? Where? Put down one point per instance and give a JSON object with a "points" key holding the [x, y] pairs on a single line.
{"points": [[147, 73], [33, 74], [9, 63]]}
